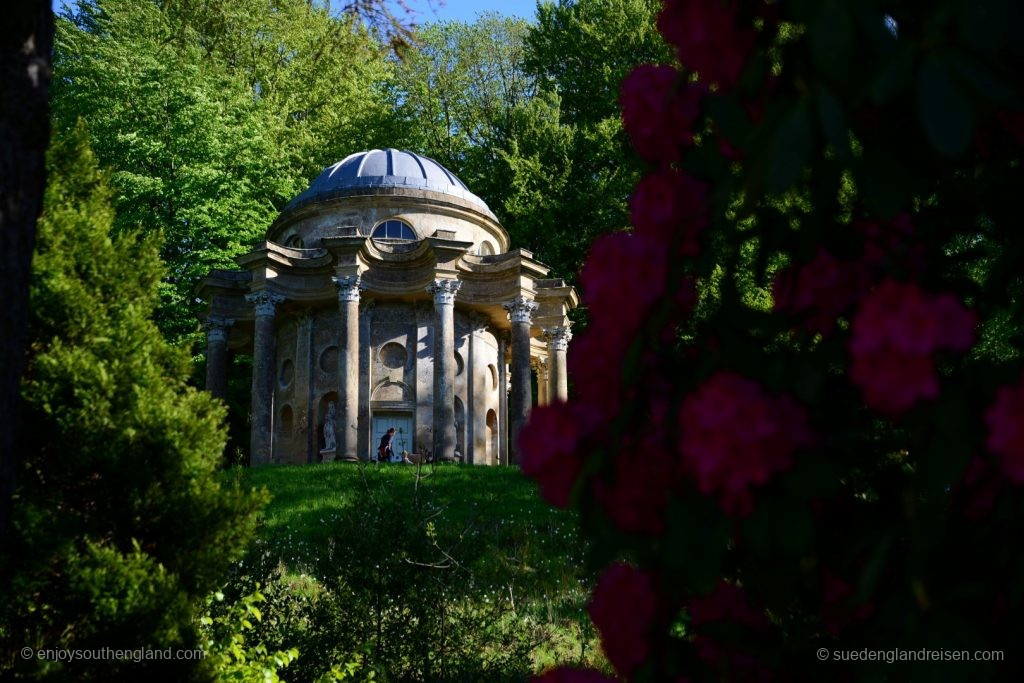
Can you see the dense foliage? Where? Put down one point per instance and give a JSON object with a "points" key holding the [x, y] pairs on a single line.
{"points": [[212, 115], [815, 444], [120, 527], [386, 572], [527, 116]]}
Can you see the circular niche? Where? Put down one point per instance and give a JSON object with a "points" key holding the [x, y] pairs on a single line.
{"points": [[459, 364], [393, 355], [287, 373], [329, 359]]}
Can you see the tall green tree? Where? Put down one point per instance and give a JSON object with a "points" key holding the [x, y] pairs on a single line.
{"points": [[459, 91], [212, 115], [572, 182], [120, 526]]}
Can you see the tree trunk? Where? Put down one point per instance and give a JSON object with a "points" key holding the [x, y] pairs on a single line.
{"points": [[26, 45]]}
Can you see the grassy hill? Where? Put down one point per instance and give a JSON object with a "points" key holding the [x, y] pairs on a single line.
{"points": [[444, 573]]}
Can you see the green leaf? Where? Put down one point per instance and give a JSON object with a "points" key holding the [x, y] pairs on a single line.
{"points": [[833, 123], [944, 109], [831, 39], [791, 149]]}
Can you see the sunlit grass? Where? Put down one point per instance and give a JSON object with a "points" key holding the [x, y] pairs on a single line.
{"points": [[517, 549]]}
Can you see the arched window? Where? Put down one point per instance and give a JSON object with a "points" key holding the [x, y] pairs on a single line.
{"points": [[295, 242], [394, 231], [485, 249]]}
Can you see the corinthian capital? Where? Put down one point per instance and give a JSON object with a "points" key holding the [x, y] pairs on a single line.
{"points": [[521, 309], [444, 291], [557, 338], [216, 327], [265, 301], [348, 287]]}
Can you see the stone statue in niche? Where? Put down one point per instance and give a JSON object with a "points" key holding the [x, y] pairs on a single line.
{"points": [[330, 443]]}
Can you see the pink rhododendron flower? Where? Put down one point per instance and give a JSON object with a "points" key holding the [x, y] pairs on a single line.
{"points": [[1005, 420], [636, 496], [819, 291], [706, 38], [838, 609], [892, 242], [735, 437], [893, 335], [892, 381], [659, 111], [623, 607], [727, 603], [550, 444], [668, 202], [624, 275], [567, 675], [977, 493], [596, 370]]}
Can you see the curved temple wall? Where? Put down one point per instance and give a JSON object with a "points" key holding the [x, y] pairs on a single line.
{"points": [[343, 324], [397, 379]]}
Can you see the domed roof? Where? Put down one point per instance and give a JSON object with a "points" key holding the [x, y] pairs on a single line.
{"points": [[384, 168]]}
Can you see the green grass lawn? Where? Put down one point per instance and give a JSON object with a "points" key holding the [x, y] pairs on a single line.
{"points": [[476, 545]]}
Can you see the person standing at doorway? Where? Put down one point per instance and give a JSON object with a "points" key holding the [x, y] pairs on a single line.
{"points": [[385, 451]]}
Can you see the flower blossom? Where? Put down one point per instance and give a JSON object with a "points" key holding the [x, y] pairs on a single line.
{"points": [[1005, 420], [706, 38], [642, 480], [670, 207], [734, 437], [622, 278], [894, 334], [839, 608], [820, 291], [550, 446], [727, 603], [623, 607], [659, 111]]}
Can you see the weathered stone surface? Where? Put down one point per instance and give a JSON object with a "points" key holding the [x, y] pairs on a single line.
{"points": [[520, 314], [263, 364], [347, 423]]}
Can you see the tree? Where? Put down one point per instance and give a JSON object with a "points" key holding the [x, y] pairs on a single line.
{"points": [[574, 170], [120, 528], [811, 440], [212, 115], [582, 49], [26, 37], [458, 91], [540, 142]]}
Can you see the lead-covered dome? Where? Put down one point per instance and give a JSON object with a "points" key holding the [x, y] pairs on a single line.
{"points": [[385, 168]]}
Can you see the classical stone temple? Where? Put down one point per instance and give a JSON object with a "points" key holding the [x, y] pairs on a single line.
{"points": [[386, 295]]}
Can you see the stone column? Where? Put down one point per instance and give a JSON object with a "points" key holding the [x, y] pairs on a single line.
{"points": [[345, 426], [520, 313], [363, 444], [558, 375], [217, 354], [263, 367], [304, 381], [541, 365], [502, 396], [444, 367]]}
